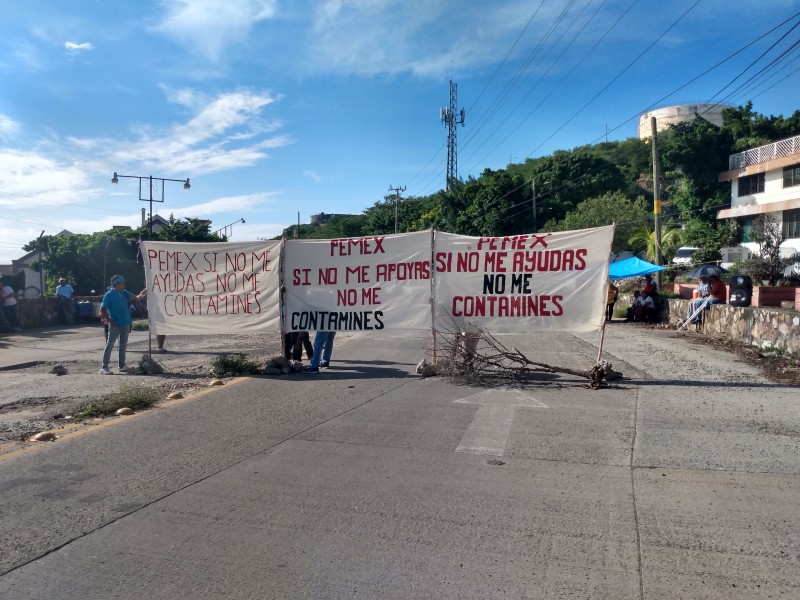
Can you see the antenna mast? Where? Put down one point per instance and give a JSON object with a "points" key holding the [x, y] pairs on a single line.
{"points": [[451, 117]]}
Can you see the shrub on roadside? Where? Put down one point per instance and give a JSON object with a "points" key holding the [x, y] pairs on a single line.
{"points": [[136, 398], [236, 364], [141, 326]]}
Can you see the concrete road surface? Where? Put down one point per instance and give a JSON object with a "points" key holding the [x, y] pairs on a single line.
{"points": [[367, 482]]}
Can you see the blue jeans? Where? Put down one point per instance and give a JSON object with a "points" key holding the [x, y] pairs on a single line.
{"points": [[115, 333], [323, 348]]}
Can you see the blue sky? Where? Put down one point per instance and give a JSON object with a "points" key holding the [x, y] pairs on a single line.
{"points": [[272, 107]]}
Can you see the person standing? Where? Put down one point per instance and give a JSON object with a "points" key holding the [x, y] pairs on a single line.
{"points": [[323, 348], [115, 312], [611, 300], [10, 308], [66, 298]]}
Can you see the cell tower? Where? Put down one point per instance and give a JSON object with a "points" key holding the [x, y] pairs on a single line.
{"points": [[451, 117]]}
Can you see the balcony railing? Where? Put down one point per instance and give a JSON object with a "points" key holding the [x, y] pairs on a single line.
{"points": [[762, 154]]}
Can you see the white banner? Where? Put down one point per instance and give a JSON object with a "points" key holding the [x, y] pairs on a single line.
{"points": [[376, 283], [553, 282], [207, 288]]}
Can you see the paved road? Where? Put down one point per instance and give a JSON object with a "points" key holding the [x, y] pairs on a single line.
{"points": [[368, 482]]}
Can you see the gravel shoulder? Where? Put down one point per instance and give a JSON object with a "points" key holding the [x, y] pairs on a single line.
{"points": [[32, 399]]}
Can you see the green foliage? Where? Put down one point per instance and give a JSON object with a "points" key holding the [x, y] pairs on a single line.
{"points": [[136, 398], [644, 240], [612, 207], [750, 129], [237, 364], [140, 325], [706, 255]]}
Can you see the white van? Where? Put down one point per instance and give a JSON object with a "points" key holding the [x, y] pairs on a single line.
{"points": [[684, 255]]}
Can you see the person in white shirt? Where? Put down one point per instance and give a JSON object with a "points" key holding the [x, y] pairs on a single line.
{"points": [[647, 309], [66, 296], [10, 309]]}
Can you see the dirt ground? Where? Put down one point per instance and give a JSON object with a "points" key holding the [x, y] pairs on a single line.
{"points": [[34, 400], [780, 368]]}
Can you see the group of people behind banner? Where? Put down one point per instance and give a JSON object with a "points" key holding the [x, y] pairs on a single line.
{"points": [[319, 354]]}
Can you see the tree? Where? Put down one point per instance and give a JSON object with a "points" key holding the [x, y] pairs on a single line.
{"points": [[768, 234], [644, 239], [609, 208]]}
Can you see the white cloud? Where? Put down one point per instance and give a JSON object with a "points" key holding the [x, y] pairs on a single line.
{"points": [[227, 132], [222, 205], [369, 37], [75, 48], [30, 179], [313, 175], [8, 127], [210, 26]]}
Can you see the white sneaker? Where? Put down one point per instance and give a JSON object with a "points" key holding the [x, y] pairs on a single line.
{"points": [[104, 372]]}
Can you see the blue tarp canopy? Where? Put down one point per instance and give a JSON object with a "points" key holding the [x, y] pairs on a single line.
{"points": [[632, 267]]}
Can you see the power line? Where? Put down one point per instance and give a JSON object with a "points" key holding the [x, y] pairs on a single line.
{"points": [[610, 83]]}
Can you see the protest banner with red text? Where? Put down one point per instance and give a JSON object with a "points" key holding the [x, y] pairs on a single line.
{"points": [[553, 282], [377, 283], [208, 288]]}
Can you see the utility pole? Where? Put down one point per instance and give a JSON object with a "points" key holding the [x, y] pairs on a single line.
{"points": [[397, 191], [533, 204], [297, 231], [451, 117], [656, 196]]}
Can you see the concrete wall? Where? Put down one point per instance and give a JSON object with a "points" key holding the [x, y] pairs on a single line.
{"points": [[44, 311], [755, 326], [760, 327]]}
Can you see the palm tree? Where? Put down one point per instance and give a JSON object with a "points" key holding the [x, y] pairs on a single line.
{"points": [[644, 239]]}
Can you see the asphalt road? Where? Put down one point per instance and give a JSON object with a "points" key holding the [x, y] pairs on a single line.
{"points": [[366, 481]]}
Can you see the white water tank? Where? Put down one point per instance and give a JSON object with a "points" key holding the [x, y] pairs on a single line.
{"points": [[680, 113]]}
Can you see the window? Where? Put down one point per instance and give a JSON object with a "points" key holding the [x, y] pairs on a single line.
{"points": [[791, 223], [745, 230], [791, 176], [754, 184]]}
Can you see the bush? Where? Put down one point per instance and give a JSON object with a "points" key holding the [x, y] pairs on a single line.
{"points": [[141, 326], [136, 398], [237, 364]]}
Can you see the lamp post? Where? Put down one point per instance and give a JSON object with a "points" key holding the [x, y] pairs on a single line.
{"points": [[41, 267], [224, 230], [149, 188]]}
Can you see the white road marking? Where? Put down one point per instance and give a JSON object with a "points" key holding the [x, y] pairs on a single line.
{"points": [[488, 432]]}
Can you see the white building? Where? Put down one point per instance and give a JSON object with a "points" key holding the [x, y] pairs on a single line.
{"points": [[766, 180]]}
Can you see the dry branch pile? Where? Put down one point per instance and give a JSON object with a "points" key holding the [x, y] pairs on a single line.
{"points": [[475, 355]]}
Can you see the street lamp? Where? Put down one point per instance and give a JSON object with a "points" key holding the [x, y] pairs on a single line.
{"points": [[149, 186], [224, 230]]}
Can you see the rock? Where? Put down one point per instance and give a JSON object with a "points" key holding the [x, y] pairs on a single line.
{"points": [[175, 396], [216, 382], [272, 371], [45, 436], [59, 370], [149, 367], [286, 370], [426, 369], [279, 362], [124, 412]]}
